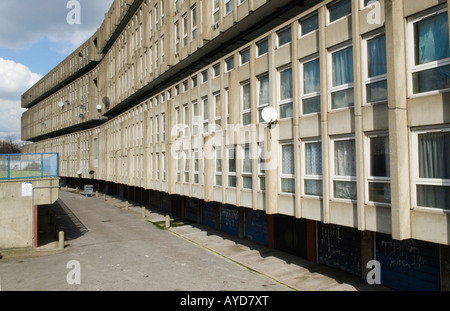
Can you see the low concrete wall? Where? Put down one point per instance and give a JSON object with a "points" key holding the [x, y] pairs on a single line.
{"points": [[18, 198]]}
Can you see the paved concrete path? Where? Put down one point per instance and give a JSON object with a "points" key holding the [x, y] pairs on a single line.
{"points": [[119, 249]]}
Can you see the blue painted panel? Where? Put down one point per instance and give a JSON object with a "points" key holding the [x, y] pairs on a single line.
{"points": [[256, 226], [165, 205], [121, 191], [339, 247], [409, 264], [229, 219], [209, 214]]}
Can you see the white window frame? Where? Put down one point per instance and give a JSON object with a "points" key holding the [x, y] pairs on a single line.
{"points": [[264, 105], [365, 69], [333, 171], [195, 170], [162, 50], [304, 96], [342, 87], [246, 174], [284, 175], [229, 63], [287, 101], [412, 68], [368, 177], [305, 176], [217, 118], [205, 121], [186, 167], [228, 158], [193, 22], [226, 4], [184, 28], [258, 54], [204, 76], [249, 109], [416, 180], [215, 73], [278, 36], [163, 126], [218, 157], [242, 53], [340, 18], [186, 120], [261, 166], [300, 29], [215, 11], [194, 117]]}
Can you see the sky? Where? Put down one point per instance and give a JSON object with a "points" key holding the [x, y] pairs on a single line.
{"points": [[35, 36]]}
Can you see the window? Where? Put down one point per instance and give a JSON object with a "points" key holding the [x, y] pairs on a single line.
{"points": [[366, 2], [344, 173], [229, 63], [157, 128], [312, 179], [287, 168], [227, 105], [231, 150], [205, 114], [194, 118], [185, 25], [246, 104], [263, 94], [286, 93], [342, 78], [245, 56], [186, 165], [431, 58], [196, 162], [262, 47], [216, 69], [177, 38], [156, 54], [310, 71], [157, 166], [247, 167], [432, 168], [162, 50], [339, 9], [261, 166], [204, 76], [194, 81], [217, 111], [284, 36], [309, 24], [164, 165], [379, 188], [218, 163], [228, 6], [177, 121], [186, 120], [163, 126], [185, 86], [156, 16], [162, 12], [376, 70], [194, 22], [216, 11]]}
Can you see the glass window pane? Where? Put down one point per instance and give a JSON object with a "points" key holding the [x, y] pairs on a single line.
{"points": [[379, 157], [342, 99], [288, 185], [431, 39], [247, 163], [343, 66], [245, 56], [263, 47], [246, 118], [247, 182], [246, 96], [345, 190], [287, 159], [231, 181], [313, 187], [286, 110], [340, 9], [433, 196], [313, 158], [376, 58], [431, 79], [311, 76], [344, 158], [310, 24], [376, 91], [311, 105], [219, 180], [380, 192], [434, 155], [286, 84], [284, 36], [263, 91]]}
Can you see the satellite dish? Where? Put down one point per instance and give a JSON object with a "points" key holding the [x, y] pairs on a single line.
{"points": [[82, 106], [81, 116], [79, 172], [269, 114], [61, 104], [91, 172], [99, 107]]}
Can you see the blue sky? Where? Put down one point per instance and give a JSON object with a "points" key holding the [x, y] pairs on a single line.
{"points": [[34, 38]]}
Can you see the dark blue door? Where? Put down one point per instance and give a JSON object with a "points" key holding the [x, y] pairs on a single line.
{"points": [[256, 226], [229, 219]]}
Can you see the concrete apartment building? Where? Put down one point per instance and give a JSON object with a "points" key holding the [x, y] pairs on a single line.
{"points": [[163, 106]]}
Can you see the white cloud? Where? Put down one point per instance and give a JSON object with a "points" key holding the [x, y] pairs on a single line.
{"points": [[15, 79], [24, 22]]}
